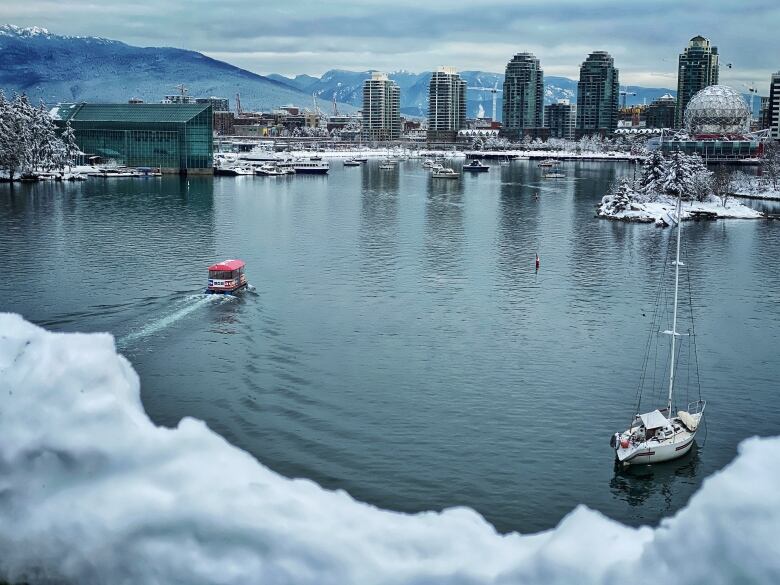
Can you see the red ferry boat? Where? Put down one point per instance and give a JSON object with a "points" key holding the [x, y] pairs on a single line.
{"points": [[226, 277]]}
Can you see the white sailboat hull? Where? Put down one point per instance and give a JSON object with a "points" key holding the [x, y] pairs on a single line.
{"points": [[657, 450], [652, 452]]}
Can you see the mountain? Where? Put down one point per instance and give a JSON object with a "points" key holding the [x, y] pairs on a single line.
{"points": [[298, 82], [347, 86], [58, 68]]}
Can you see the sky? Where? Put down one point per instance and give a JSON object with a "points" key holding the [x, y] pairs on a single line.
{"points": [[305, 36]]}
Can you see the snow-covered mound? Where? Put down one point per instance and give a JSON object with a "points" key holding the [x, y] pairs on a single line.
{"points": [[92, 492], [648, 210]]}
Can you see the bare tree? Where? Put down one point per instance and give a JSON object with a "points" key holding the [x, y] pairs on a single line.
{"points": [[721, 184], [770, 163]]}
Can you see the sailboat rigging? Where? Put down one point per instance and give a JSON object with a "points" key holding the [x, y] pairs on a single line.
{"points": [[659, 435]]}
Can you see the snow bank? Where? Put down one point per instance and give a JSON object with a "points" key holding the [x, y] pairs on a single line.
{"points": [[92, 492], [648, 211]]}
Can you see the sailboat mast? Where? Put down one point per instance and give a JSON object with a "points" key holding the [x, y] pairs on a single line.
{"points": [[674, 317]]}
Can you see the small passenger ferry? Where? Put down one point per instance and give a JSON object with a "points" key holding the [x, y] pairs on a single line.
{"points": [[226, 277]]}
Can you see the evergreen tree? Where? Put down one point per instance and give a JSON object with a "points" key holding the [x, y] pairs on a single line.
{"points": [[653, 173], [620, 197], [71, 149], [679, 173]]}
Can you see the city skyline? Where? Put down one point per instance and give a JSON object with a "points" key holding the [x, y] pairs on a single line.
{"points": [[310, 38]]}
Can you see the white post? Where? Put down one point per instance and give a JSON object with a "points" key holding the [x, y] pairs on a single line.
{"points": [[674, 318]]}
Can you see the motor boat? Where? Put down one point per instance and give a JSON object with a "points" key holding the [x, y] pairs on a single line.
{"points": [[476, 166]]}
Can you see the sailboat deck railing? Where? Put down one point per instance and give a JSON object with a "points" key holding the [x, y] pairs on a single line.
{"points": [[696, 407]]}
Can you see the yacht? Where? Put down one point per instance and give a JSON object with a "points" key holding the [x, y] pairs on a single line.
{"points": [[310, 167], [445, 173], [476, 166]]}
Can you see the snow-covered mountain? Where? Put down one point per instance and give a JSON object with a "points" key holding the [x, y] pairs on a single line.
{"points": [[61, 68], [347, 87]]}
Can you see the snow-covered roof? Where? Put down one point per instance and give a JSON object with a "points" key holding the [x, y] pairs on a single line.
{"points": [[654, 420]]}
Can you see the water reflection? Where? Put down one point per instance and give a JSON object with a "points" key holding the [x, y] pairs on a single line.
{"points": [[444, 230], [378, 231], [635, 485], [519, 211]]}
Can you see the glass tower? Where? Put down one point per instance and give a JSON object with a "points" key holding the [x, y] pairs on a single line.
{"points": [[381, 108], [446, 104], [697, 69], [523, 96], [597, 96]]}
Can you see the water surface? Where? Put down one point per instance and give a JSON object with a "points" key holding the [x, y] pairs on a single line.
{"points": [[399, 343]]}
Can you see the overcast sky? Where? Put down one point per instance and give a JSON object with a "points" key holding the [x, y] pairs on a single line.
{"points": [[303, 36]]}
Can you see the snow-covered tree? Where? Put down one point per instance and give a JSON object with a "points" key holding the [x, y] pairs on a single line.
{"points": [[496, 143], [71, 149], [619, 198], [653, 173], [28, 138], [721, 184], [770, 163], [680, 174]]}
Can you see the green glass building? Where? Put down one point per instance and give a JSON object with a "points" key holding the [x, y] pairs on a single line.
{"points": [[177, 138]]}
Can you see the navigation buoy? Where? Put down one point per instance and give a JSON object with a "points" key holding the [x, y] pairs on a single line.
{"points": [[537, 261]]}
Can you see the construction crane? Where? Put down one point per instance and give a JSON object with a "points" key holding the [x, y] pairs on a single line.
{"points": [[317, 110], [494, 90], [183, 89], [238, 105], [625, 93]]}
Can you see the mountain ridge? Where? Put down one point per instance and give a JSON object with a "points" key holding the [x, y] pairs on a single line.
{"points": [[56, 68], [347, 85]]}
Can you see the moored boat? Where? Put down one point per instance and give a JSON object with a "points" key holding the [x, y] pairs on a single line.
{"points": [[226, 277], [476, 166], [445, 173], [351, 162], [550, 162], [310, 167], [660, 434], [270, 170]]}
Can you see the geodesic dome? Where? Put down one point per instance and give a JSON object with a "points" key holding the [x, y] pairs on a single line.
{"points": [[717, 109]]}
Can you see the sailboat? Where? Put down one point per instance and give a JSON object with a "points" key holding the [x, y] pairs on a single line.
{"points": [[660, 434]]}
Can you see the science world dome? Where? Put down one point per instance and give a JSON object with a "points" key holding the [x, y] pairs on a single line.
{"points": [[717, 109]]}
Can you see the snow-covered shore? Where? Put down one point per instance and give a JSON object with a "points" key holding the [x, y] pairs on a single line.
{"points": [[434, 153], [651, 210], [93, 492]]}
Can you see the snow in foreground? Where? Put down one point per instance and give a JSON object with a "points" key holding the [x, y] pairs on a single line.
{"points": [[92, 492]]}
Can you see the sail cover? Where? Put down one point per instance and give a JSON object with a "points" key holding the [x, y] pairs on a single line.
{"points": [[654, 420], [689, 422]]}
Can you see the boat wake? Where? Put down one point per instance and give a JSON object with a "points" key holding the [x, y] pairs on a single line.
{"points": [[188, 305]]}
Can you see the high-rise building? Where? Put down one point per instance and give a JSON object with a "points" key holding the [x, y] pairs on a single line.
{"points": [[774, 106], [446, 105], [218, 104], [523, 107], [560, 118], [698, 68], [597, 96], [763, 113], [381, 108], [660, 112]]}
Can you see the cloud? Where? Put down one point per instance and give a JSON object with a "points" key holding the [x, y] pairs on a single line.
{"points": [[312, 37], [91, 491]]}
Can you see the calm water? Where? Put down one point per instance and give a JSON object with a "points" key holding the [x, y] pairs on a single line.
{"points": [[398, 343]]}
